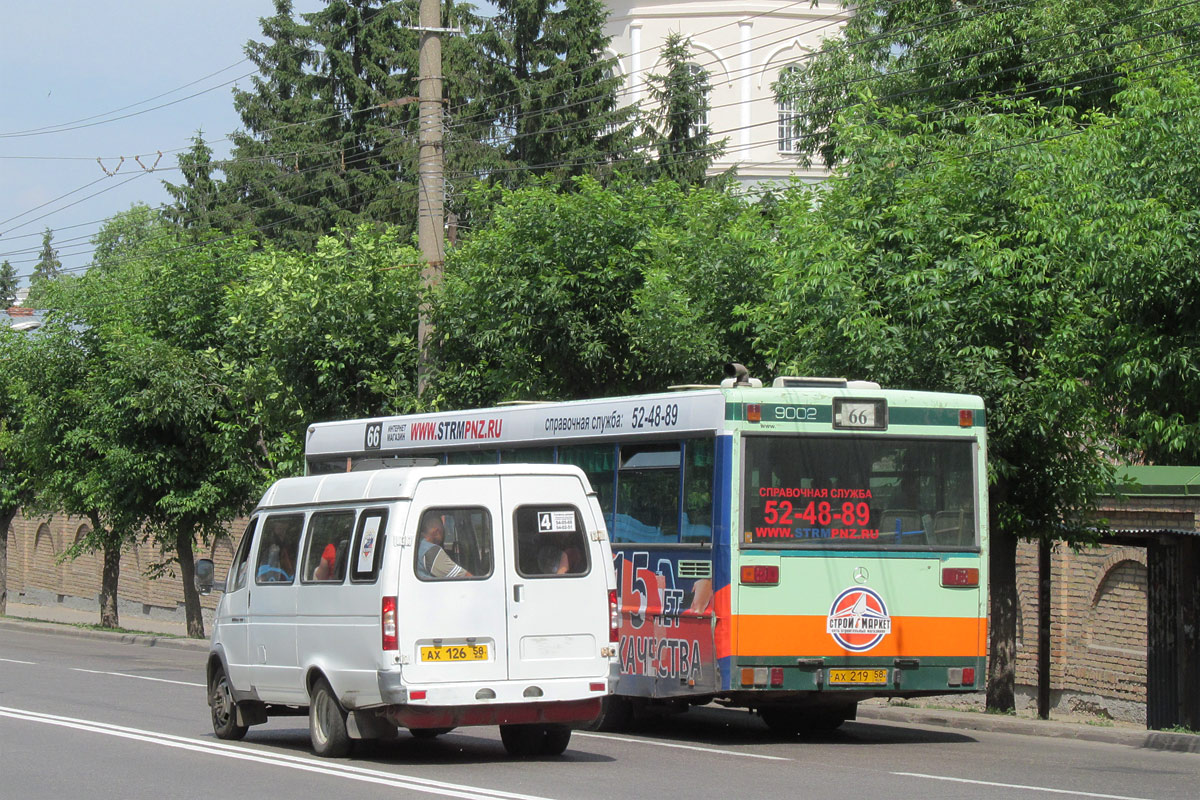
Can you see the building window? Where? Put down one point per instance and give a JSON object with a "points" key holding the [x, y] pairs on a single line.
{"points": [[700, 76], [789, 114]]}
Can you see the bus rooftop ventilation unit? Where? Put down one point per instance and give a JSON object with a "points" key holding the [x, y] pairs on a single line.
{"points": [[794, 382]]}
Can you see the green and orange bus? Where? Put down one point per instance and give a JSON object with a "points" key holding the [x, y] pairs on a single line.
{"points": [[792, 548]]}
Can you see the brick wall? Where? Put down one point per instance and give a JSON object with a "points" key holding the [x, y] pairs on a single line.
{"points": [[35, 574]]}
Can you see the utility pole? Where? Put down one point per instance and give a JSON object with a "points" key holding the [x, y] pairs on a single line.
{"points": [[431, 177]]}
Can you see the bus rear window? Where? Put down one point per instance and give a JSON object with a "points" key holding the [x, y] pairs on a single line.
{"points": [[859, 492]]}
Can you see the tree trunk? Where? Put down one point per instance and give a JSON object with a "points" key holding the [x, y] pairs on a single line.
{"points": [[6, 518], [187, 571], [108, 585], [1003, 610]]}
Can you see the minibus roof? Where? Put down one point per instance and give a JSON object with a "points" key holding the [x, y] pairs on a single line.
{"points": [[390, 484]]}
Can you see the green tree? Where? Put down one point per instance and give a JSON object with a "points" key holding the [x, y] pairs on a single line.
{"points": [[326, 335], [66, 438], [596, 291], [552, 91], [933, 260], [9, 283], [125, 418], [677, 127], [14, 478], [934, 56]]}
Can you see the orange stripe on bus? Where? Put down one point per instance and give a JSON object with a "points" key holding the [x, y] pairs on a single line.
{"points": [[777, 635]]}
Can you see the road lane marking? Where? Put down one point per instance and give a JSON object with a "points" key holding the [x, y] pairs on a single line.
{"points": [[243, 753], [15, 661], [653, 743], [1075, 792], [139, 677]]}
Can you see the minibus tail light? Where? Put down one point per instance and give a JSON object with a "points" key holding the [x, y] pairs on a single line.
{"points": [[960, 576], [387, 621], [614, 617]]}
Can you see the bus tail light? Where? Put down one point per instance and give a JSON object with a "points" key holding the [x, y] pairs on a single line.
{"points": [[756, 676], [760, 574], [960, 676], [753, 412], [614, 617], [776, 677], [387, 621], [960, 576], [966, 418]]}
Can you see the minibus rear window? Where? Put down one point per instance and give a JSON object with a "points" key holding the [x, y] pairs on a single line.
{"points": [[551, 541]]}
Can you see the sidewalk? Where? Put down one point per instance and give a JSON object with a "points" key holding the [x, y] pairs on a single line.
{"points": [[61, 619], [162, 633], [1093, 731]]}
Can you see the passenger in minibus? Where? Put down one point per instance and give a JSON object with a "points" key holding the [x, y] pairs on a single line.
{"points": [[432, 561]]}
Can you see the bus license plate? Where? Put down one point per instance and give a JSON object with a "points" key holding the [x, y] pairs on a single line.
{"points": [[863, 677], [463, 652]]}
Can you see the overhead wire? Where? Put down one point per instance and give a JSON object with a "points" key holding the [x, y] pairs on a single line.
{"points": [[519, 168]]}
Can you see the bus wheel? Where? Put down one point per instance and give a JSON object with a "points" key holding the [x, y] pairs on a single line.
{"points": [[327, 722], [556, 740], [616, 716], [428, 733], [782, 721], [224, 708]]}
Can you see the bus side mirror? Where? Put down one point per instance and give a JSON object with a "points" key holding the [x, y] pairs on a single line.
{"points": [[205, 570]]}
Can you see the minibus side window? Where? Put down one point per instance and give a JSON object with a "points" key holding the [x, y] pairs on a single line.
{"points": [[368, 545], [454, 544], [551, 541], [237, 572], [277, 552], [328, 545]]}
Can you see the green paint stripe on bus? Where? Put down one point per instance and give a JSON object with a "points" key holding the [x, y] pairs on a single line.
{"points": [[823, 415]]}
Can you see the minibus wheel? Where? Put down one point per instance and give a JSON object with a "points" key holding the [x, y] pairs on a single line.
{"points": [[327, 722], [224, 707], [523, 741], [556, 741]]}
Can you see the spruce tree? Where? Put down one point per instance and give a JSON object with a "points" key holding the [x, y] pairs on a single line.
{"points": [[330, 123], [48, 267], [554, 91], [677, 125], [198, 200]]}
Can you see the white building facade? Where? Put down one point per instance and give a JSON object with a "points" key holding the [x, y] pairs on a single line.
{"points": [[743, 45]]}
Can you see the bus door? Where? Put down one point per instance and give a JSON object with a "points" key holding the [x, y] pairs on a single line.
{"points": [[452, 598], [558, 612]]}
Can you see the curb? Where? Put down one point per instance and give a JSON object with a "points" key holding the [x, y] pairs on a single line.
{"points": [[143, 639], [997, 723]]}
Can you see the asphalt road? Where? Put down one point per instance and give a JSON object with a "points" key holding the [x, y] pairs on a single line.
{"points": [[95, 718]]}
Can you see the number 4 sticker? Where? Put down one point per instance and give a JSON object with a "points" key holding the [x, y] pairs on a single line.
{"points": [[556, 522]]}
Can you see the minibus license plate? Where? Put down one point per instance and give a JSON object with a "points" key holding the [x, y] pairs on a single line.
{"points": [[869, 677], [455, 652]]}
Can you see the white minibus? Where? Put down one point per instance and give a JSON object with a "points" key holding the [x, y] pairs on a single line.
{"points": [[422, 597]]}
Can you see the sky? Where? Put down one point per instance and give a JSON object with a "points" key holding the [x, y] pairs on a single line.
{"points": [[82, 80]]}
